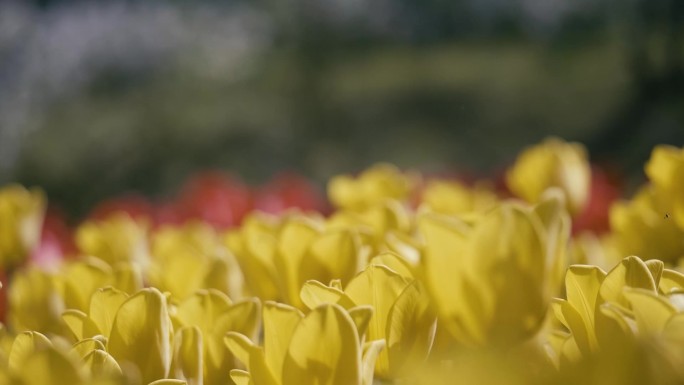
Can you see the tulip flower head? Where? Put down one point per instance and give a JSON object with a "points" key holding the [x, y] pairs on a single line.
{"points": [[21, 219], [323, 347], [491, 280], [553, 163]]}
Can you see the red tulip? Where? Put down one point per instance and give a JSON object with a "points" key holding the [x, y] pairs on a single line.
{"points": [[289, 190], [216, 198]]}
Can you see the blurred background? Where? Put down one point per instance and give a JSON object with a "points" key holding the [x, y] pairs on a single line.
{"points": [[102, 97]]}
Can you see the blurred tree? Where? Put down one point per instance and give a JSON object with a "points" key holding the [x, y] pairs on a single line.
{"points": [[653, 32]]}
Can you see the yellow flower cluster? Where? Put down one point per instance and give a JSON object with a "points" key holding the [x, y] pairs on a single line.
{"points": [[468, 285]]}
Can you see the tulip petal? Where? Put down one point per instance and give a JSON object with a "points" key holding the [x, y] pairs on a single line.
{"points": [[575, 323], [140, 334], [280, 322], [570, 352], [101, 364], [554, 345], [394, 262], [255, 362], [507, 248], [361, 315], [650, 310], [556, 220], [656, 268], [49, 367], [82, 279], [558, 312], [314, 293], [167, 381], [80, 325], [240, 377], [224, 275], [332, 255], [630, 272], [671, 281], [336, 284], [86, 346], [410, 331], [324, 350], [242, 317], [614, 327], [377, 286], [188, 355], [34, 301], [442, 269], [24, 346], [240, 346], [258, 264], [128, 277], [295, 237], [370, 355], [104, 304], [404, 245], [674, 329], [203, 309], [582, 285], [180, 273]]}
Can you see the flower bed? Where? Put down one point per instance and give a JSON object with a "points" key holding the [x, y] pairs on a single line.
{"points": [[407, 279]]}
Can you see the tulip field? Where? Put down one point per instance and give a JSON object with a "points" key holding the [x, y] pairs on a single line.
{"points": [[550, 273]]}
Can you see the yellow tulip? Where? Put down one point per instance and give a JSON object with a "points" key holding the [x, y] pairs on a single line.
{"points": [[103, 306], [623, 327], [140, 335], [81, 278], [641, 227], [36, 360], [203, 320], [491, 280], [321, 348], [277, 257], [374, 224], [21, 219], [254, 247], [334, 254], [23, 346], [454, 198], [50, 365], [665, 170], [188, 355], [191, 257], [34, 302], [553, 163], [373, 186], [115, 239], [122, 335], [610, 313], [401, 314]]}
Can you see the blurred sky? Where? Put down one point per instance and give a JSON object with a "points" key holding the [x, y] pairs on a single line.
{"points": [[102, 97]]}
